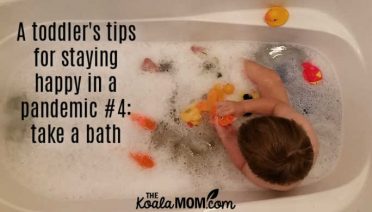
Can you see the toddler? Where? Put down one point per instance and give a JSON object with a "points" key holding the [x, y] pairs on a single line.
{"points": [[277, 149]]}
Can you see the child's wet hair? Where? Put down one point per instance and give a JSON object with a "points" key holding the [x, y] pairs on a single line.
{"points": [[277, 149]]}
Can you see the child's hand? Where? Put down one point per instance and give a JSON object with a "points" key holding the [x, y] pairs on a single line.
{"points": [[225, 133], [228, 108]]}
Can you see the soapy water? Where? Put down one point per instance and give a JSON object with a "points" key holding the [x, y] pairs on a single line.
{"points": [[187, 159]]}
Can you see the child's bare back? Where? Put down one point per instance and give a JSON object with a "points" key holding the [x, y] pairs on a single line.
{"points": [[281, 137]]}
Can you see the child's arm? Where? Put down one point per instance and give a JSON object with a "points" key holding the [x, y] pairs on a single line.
{"points": [[262, 106], [267, 81], [259, 74], [229, 139]]}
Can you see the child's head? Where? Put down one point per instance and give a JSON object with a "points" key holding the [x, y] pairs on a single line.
{"points": [[277, 150]]}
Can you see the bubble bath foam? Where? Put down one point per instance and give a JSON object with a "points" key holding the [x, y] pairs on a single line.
{"points": [[187, 159]]}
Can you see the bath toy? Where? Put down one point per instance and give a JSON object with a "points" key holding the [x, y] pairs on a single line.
{"points": [[311, 73], [226, 120], [253, 95], [276, 16], [191, 116], [217, 94], [228, 88], [199, 50], [149, 65], [203, 106], [143, 159], [247, 96], [214, 95], [143, 121]]}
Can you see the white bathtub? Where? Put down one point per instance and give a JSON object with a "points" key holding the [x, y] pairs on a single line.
{"points": [[338, 29]]}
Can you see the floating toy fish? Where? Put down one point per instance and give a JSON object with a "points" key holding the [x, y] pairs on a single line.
{"points": [[143, 121], [149, 65], [311, 73], [143, 159], [191, 116], [276, 16]]}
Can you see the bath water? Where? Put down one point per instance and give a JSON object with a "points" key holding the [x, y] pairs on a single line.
{"points": [[187, 159]]}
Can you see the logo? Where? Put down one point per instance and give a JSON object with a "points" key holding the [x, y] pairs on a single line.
{"points": [[152, 201]]}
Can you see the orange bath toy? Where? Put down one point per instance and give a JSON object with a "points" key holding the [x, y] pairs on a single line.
{"points": [[192, 115], [215, 95], [311, 73], [149, 65], [276, 16], [143, 121], [226, 120], [143, 159], [212, 98], [228, 88], [202, 106]]}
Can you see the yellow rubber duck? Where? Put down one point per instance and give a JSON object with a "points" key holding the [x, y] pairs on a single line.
{"points": [[228, 88], [276, 16], [191, 116]]}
